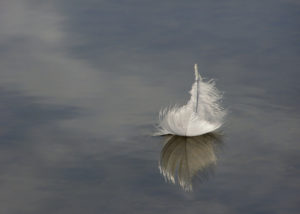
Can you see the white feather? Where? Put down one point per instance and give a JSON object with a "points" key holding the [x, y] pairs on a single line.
{"points": [[202, 114]]}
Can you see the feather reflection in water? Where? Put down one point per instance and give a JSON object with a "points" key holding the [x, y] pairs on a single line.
{"points": [[188, 156]]}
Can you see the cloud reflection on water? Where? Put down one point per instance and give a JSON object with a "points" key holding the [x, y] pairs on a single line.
{"points": [[81, 81]]}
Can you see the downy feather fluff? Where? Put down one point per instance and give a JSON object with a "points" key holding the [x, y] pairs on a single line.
{"points": [[202, 114]]}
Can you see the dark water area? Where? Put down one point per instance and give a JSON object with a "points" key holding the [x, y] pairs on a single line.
{"points": [[82, 82]]}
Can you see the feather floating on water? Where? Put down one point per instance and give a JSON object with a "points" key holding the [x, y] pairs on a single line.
{"points": [[202, 114]]}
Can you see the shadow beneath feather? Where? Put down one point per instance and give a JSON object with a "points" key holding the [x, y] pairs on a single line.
{"points": [[189, 157]]}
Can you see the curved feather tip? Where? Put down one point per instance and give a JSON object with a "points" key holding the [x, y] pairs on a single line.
{"points": [[202, 114]]}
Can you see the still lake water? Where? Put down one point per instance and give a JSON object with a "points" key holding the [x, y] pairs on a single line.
{"points": [[82, 82]]}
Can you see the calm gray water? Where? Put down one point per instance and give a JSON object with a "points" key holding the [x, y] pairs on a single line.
{"points": [[82, 82]]}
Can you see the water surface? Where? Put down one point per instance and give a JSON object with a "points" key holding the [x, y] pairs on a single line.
{"points": [[81, 84]]}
